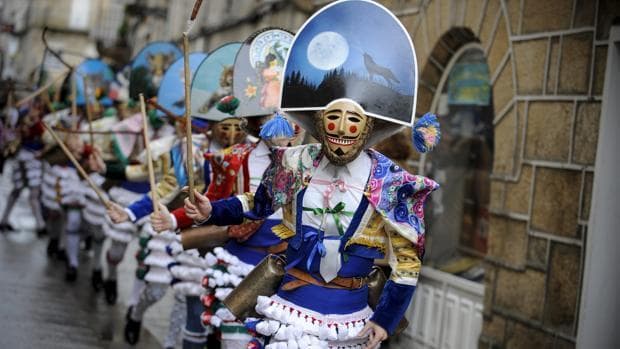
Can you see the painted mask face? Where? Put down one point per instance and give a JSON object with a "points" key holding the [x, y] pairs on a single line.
{"points": [[299, 135], [229, 132], [344, 130]]}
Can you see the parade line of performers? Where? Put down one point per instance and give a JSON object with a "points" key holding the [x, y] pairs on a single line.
{"points": [[297, 233]]}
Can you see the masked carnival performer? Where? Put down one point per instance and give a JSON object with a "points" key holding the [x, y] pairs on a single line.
{"points": [[226, 130], [234, 170], [63, 194], [344, 205], [27, 171], [158, 250], [97, 93], [94, 213], [142, 75]]}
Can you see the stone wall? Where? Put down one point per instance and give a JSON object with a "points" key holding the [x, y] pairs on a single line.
{"points": [[547, 63]]}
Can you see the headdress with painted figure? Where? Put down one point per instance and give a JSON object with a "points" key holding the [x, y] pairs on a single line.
{"points": [[148, 68], [258, 71], [98, 77], [335, 60], [211, 95]]}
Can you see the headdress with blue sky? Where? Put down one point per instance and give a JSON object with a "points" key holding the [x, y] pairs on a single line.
{"points": [[212, 81]]}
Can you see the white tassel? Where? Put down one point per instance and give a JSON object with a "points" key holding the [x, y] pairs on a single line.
{"points": [[216, 321], [356, 329], [270, 311], [274, 326], [343, 332], [278, 314], [304, 341], [332, 334], [292, 344], [210, 259], [281, 335], [263, 328], [323, 332], [286, 315], [295, 331], [315, 328]]}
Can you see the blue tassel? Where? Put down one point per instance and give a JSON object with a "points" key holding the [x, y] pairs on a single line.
{"points": [[426, 133], [199, 124], [277, 127]]}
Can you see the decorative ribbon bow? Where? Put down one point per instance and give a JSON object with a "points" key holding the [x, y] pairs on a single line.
{"points": [[329, 191], [315, 238], [336, 212]]}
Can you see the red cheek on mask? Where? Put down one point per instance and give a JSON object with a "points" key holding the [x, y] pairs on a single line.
{"points": [[331, 126], [353, 129]]}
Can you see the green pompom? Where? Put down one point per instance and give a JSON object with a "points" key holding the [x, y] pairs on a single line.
{"points": [[228, 105], [109, 112]]}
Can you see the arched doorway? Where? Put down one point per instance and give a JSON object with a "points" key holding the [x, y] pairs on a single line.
{"points": [[447, 308], [462, 164]]}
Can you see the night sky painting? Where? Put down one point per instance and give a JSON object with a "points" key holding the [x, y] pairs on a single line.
{"points": [[352, 49], [171, 93]]}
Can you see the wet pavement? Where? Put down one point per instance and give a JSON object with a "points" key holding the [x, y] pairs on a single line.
{"points": [[38, 309]]}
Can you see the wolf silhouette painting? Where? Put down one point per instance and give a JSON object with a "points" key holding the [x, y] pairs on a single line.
{"points": [[336, 60], [375, 69]]}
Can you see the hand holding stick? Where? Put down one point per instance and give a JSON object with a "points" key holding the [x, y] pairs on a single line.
{"points": [[149, 159], [188, 122], [200, 209]]}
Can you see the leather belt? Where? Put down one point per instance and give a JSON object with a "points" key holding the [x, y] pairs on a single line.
{"points": [[304, 279]]}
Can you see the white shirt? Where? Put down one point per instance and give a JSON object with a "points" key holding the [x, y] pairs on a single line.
{"points": [[330, 185], [258, 161]]}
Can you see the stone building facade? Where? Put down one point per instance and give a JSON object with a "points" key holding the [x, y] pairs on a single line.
{"points": [[546, 61], [547, 66]]}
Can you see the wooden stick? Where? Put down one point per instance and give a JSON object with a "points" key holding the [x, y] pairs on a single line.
{"points": [[149, 158], [40, 90], [169, 114], [77, 165], [74, 100], [195, 10], [66, 130], [88, 111], [188, 121]]}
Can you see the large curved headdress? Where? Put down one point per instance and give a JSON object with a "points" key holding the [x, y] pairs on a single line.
{"points": [[258, 71], [358, 50], [171, 94], [98, 76], [212, 81], [148, 67]]}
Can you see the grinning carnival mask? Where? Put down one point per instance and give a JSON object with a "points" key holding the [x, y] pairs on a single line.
{"points": [[229, 131], [343, 129]]}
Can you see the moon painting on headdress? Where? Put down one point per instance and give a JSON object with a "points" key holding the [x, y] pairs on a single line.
{"points": [[328, 50]]}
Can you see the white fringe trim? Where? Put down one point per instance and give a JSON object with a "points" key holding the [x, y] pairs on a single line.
{"points": [[292, 326]]}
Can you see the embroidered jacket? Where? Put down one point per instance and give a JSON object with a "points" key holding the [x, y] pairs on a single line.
{"points": [[392, 222]]}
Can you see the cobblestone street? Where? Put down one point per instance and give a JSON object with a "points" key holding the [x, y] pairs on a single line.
{"points": [[40, 310]]}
